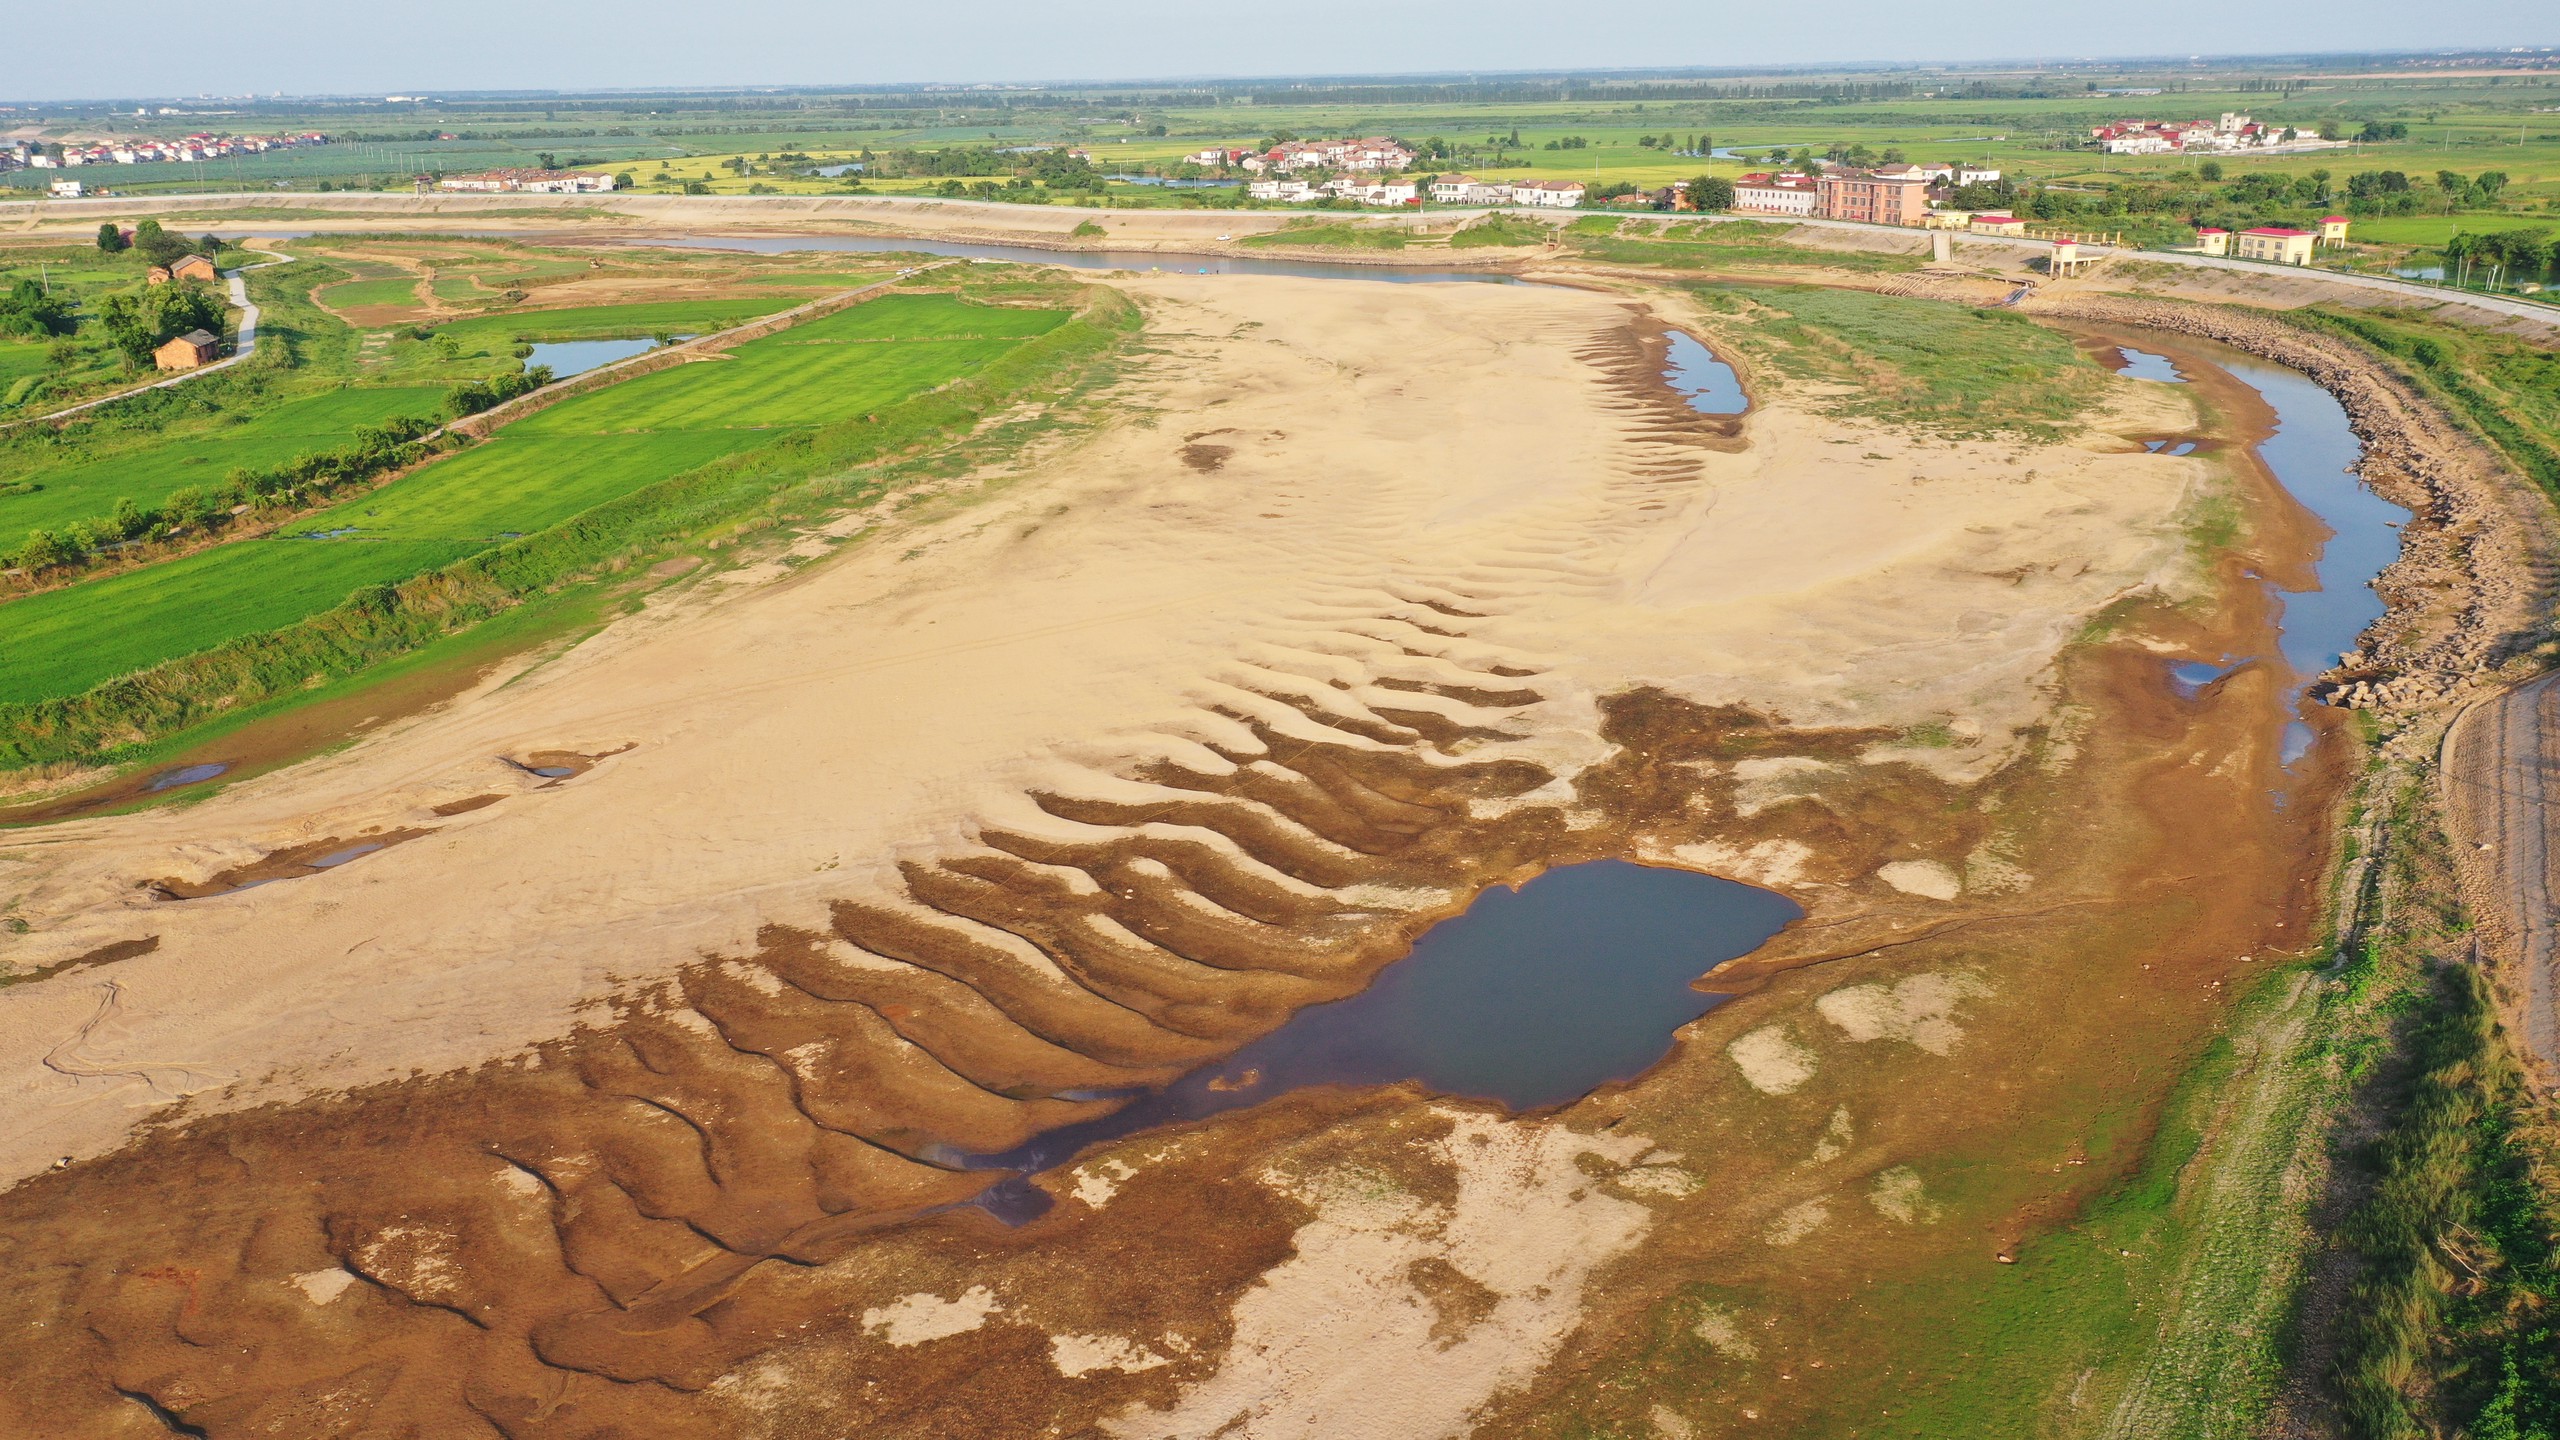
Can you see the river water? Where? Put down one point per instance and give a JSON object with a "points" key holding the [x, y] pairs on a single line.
{"points": [[2312, 453]]}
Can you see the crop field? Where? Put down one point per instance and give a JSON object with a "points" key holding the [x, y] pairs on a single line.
{"points": [[148, 473], [370, 294], [531, 475], [64, 641], [600, 322]]}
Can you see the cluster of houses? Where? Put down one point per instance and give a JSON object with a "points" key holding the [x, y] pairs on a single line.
{"points": [[1375, 154], [1886, 195], [37, 155], [531, 182], [2278, 244], [1445, 190], [2233, 132]]}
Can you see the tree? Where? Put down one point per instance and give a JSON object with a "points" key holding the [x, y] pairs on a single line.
{"points": [[547, 160], [110, 239], [2210, 171], [1711, 193], [158, 246], [28, 312], [138, 324]]}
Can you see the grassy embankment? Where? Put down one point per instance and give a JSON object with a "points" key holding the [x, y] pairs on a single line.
{"points": [[1919, 362], [1332, 235], [726, 445], [1716, 245]]}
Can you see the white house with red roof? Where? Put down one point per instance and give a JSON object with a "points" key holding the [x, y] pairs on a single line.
{"points": [[1768, 194]]}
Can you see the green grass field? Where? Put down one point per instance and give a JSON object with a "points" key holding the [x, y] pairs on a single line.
{"points": [[62, 642], [354, 293], [2437, 229], [596, 322], [530, 476], [147, 475]]}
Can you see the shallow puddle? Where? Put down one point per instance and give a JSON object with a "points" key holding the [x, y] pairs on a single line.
{"points": [[292, 863], [183, 775], [1533, 997], [1708, 383]]}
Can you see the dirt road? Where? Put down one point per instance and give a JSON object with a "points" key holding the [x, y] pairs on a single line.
{"points": [[2501, 760]]}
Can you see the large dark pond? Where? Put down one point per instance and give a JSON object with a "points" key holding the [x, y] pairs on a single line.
{"points": [[1533, 997]]}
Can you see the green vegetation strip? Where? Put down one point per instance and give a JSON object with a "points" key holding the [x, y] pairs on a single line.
{"points": [[1916, 362], [2507, 390], [875, 410]]}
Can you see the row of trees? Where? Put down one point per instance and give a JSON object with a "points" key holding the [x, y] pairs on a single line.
{"points": [[1048, 169], [375, 450], [154, 245], [2513, 257], [473, 396]]}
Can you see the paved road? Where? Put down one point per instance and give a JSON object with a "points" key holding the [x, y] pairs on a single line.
{"points": [[248, 342], [2501, 778]]}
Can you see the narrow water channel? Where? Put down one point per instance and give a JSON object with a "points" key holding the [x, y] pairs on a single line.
{"points": [[2312, 452], [1533, 997]]}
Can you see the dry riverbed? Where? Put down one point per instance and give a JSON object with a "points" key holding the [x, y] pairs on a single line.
{"points": [[622, 1101]]}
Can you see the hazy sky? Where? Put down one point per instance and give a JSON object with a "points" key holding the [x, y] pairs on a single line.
{"points": [[338, 47]]}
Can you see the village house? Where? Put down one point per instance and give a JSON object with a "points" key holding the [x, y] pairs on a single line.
{"points": [[1468, 190], [1372, 192], [66, 189], [1999, 223], [1976, 175], [1767, 194], [1294, 192], [2333, 230], [1554, 194], [2212, 241], [2279, 244], [1874, 199], [186, 352], [537, 182]]}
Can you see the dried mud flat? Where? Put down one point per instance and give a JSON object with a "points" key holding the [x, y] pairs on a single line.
{"points": [[627, 1103]]}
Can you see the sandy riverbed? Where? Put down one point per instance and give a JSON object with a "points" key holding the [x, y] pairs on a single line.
{"points": [[1386, 448], [1363, 596]]}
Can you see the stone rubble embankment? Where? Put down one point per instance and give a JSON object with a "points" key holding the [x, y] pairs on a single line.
{"points": [[2462, 594]]}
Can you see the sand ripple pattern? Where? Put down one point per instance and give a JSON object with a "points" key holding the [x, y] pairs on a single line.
{"points": [[566, 1244]]}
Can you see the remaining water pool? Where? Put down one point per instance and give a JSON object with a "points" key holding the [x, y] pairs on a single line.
{"points": [[576, 357], [1710, 384], [1532, 998]]}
